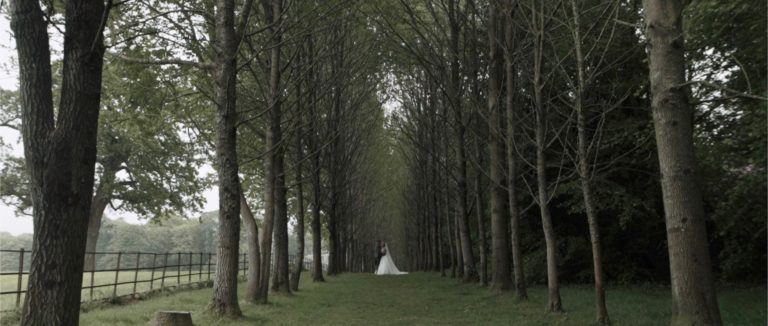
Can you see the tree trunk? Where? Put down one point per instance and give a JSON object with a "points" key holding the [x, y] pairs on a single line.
{"points": [[474, 68], [694, 301], [60, 153], [281, 276], [470, 273], [480, 213], [224, 299], [269, 221], [450, 223], [298, 265], [553, 285], [335, 173], [459, 252], [440, 232], [333, 243], [172, 318], [585, 173], [98, 205], [514, 210], [317, 253], [254, 254], [315, 152], [439, 263], [499, 214]]}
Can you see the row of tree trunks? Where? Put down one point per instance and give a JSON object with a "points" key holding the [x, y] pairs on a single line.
{"points": [[689, 257]]}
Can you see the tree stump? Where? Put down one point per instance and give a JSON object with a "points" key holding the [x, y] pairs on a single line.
{"points": [[172, 318]]}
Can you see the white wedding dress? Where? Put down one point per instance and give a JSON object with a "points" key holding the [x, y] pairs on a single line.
{"points": [[387, 265]]}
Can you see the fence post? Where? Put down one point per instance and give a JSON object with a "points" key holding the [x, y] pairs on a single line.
{"points": [[21, 276], [178, 269], [189, 272], [165, 264], [136, 274], [244, 265], [209, 266], [200, 274], [117, 273], [152, 276]]}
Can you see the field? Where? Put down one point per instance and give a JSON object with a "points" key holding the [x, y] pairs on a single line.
{"points": [[425, 298]]}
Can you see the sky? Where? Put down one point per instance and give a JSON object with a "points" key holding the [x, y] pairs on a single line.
{"points": [[9, 222]]}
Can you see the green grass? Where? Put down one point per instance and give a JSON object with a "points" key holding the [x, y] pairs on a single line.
{"points": [[425, 298], [10, 282]]}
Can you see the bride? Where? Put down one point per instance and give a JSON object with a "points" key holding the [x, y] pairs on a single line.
{"points": [[386, 264]]}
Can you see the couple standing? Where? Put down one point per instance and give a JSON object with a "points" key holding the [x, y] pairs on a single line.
{"points": [[386, 265]]}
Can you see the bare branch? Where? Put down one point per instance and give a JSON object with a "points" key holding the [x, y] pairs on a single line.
{"points": [[724, 89]]}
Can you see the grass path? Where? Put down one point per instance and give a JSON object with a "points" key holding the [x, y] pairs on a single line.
{"points": [[427, 299]]}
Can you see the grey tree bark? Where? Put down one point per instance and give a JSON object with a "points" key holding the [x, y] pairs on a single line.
{"points": [[254, 252], [224, 299], [694, 301]]}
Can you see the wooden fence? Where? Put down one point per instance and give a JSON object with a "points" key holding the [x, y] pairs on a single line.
{"points": [[168, 269]]}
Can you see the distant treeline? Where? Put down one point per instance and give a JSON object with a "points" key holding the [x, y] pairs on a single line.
{"points": [[175, 234]]}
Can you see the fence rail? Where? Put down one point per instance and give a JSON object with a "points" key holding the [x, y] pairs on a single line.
{"points": [[131, 273]]}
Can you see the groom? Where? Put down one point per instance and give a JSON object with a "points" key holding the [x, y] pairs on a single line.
{"points": [[380, 252]]}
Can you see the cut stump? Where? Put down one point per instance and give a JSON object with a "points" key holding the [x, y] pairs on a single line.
{"points": [[172, 318]]}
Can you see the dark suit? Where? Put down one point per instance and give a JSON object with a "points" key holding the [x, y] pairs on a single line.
{"points": [[381, 252]]}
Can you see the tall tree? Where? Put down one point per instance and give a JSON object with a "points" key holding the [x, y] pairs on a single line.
{"points": [[514, 210], [60, 150], [583, 164], [299, 134], [315, 154], [224, 298], [496, 127], [539, 24], [455, 22], [694, 301], [277, 206]]}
